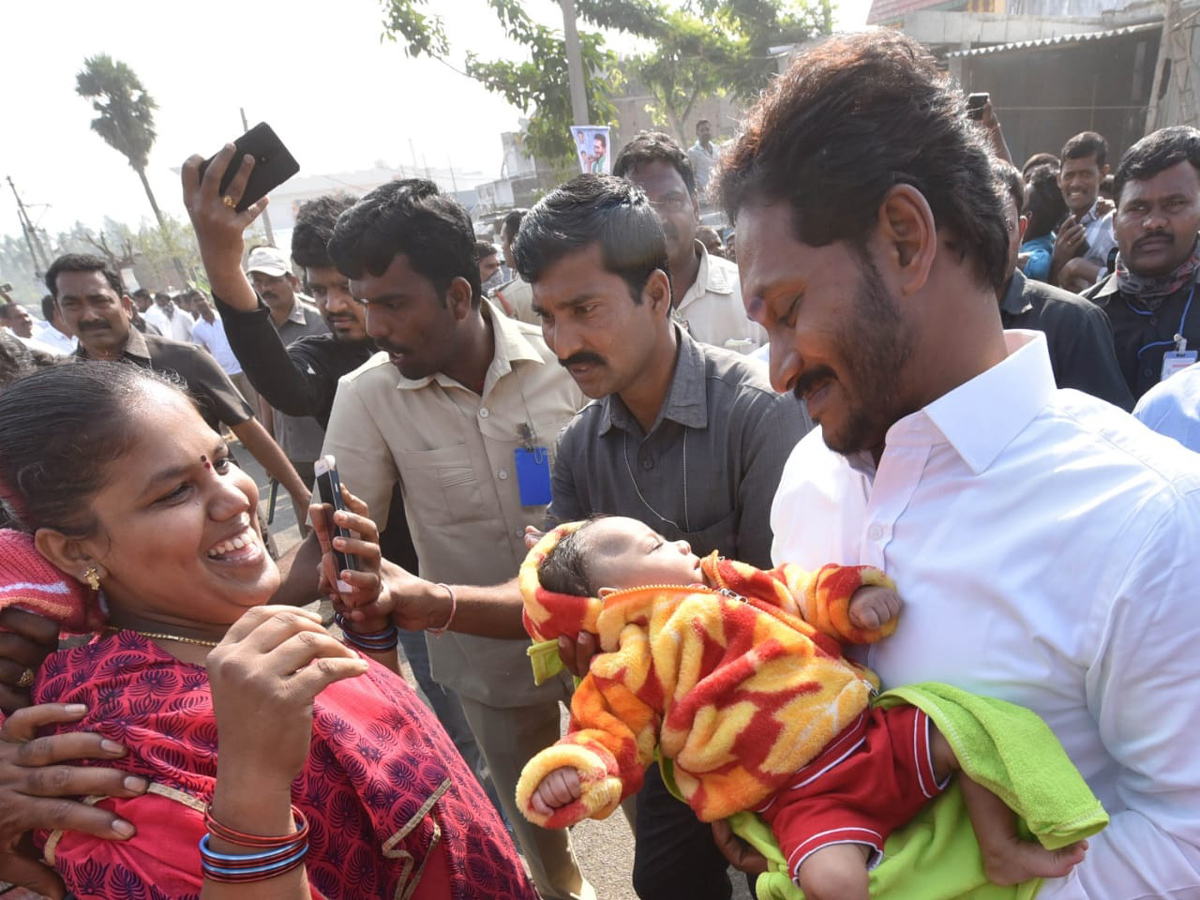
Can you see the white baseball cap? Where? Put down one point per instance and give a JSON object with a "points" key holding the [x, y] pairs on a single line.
{"points": [[268, 260]]}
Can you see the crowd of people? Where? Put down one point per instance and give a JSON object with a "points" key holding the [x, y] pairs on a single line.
{"points": [[890, 447]]}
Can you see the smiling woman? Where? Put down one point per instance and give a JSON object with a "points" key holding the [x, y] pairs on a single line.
{"points": [[332, 779]]}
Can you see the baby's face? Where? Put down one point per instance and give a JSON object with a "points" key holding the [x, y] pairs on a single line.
{"points": [[625, 553]]}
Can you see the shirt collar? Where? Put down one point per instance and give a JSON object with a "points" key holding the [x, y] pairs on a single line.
{"points": [[1090, 216], [982, 417], [297, 313], [510, 345], [709, 279], [687, 397], [1014, 302], [135, 347]]}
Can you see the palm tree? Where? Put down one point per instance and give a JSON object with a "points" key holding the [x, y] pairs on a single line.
{"points": [[125, 119]]}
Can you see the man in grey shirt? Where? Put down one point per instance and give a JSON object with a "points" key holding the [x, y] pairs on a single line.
{"points": [[687, 437]]}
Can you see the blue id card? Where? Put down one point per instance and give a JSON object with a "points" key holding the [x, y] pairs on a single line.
{"points": [[533, 475]]}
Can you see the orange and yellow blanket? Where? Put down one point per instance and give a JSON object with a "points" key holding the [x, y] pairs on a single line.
{"points": [[740, 684]]}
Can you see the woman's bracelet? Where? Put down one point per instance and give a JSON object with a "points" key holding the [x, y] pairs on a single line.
{"points": [[271, 855], [438, 632], [368, 641]]}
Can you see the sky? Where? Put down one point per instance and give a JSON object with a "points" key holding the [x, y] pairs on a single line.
{"points": [[339, 97]]}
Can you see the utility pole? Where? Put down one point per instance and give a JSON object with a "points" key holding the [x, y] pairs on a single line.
{"points": [[266, 216], [579, 109], [31, 236]]}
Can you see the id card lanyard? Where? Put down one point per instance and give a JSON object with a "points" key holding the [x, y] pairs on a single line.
{"points": [[1179, 357]]}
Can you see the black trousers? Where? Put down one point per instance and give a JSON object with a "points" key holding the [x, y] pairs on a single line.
{"points": [[674, 854]]}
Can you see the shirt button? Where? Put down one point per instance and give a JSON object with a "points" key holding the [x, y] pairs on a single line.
{"points": [[483, 413], [875, 532], [520, 532], [1147, 373], [502, 474], [647, 463]]}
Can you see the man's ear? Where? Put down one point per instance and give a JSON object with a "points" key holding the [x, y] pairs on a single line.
{"points": [[458, 297], [657, 292], [1023, 224], [69, 554], [909, 237], [127, 305]]}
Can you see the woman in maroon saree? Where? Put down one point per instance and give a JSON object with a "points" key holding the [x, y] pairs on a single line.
{"points": [[322, 752]]}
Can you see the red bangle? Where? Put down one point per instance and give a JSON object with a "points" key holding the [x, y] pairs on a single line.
{"points": [[257, 841]]}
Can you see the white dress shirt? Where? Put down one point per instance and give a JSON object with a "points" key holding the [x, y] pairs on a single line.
{"points": [[711, 309], [1045, 545]]}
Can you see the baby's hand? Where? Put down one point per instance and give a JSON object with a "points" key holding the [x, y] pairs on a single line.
{"points": [[558, 789], [873, 607]]}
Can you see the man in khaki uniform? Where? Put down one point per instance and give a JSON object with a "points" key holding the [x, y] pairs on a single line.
{"points": [[461, 410]]}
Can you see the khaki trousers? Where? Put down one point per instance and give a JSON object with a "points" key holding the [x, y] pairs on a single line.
{"points": [[509, 738]]}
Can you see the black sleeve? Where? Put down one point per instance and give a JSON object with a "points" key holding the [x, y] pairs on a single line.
{"points": [[1089, 359], [214, 389], [292, 386]]}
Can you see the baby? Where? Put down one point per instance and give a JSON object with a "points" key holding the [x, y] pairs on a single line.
{"points": [[736, 675]]}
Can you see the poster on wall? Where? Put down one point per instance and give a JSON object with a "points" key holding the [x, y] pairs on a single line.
{"points": [[591, 146]]}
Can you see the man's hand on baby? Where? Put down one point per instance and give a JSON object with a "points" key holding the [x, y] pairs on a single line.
{"points": [[873, 607], [558, 789]]}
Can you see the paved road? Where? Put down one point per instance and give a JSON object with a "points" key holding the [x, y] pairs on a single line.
{"points": [[604, 849]]}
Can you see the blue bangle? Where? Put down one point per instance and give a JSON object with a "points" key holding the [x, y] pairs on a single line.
{"points": [[262, 872], [371, 642], [207, 853]]}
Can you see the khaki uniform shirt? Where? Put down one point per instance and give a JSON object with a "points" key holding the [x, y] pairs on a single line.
{"points": [[452, 451], [712, 312]]}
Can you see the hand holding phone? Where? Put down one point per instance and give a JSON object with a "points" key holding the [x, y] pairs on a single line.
{"points": [[273, 165], [329, 487]]}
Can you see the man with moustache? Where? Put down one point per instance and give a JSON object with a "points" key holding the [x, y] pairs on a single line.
{"points": [[1149, 297], [681, 435], [1043, 541]]}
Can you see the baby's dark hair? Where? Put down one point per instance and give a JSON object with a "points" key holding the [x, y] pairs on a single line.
{"points": [[565, 568]]}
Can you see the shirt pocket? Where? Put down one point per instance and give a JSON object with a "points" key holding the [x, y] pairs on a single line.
{"points": [[441, 486]]}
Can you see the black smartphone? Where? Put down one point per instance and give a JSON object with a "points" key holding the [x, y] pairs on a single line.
{"points": [[329, 486], [273, 164], [975, 105]]}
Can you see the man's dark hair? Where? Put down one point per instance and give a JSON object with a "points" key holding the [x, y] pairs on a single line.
{"points": [[512, 222], [599, 136], [82, 262], [1157, 152], [410, 217], [48, 307], [1044, 203], [654, 146], [314, 227], [6, 311], [142, 294], [1010, 182], [851, 119], [483, 250], [1087, 145], [594, 209], [1041, 159]]}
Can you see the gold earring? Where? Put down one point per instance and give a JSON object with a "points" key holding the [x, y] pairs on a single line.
{"points": [[92, 577]]}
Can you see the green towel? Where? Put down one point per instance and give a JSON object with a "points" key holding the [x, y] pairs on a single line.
{"points": [[1007, 749]]}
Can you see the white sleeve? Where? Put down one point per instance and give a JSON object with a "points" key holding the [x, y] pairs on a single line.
{"points": [[1144, 692]]}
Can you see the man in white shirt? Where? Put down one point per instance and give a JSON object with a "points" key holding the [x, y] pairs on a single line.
{"points": [[703, 155], [209, 333], [1043, 541], [174, 323], [53, 332], [706, 296]]}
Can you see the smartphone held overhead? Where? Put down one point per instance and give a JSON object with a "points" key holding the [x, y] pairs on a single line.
{"points": [[975, 105], [273, 164]]}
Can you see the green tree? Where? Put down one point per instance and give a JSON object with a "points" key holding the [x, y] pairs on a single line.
{"points": [[701, 48], [539, 86], [125, 119]]}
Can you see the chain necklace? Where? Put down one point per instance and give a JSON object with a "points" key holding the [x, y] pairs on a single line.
{"points": [[686, 528], [165, 637]]}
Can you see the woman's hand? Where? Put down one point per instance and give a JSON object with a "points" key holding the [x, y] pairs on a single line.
{"points": [[264, 677], [361, 596]]}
